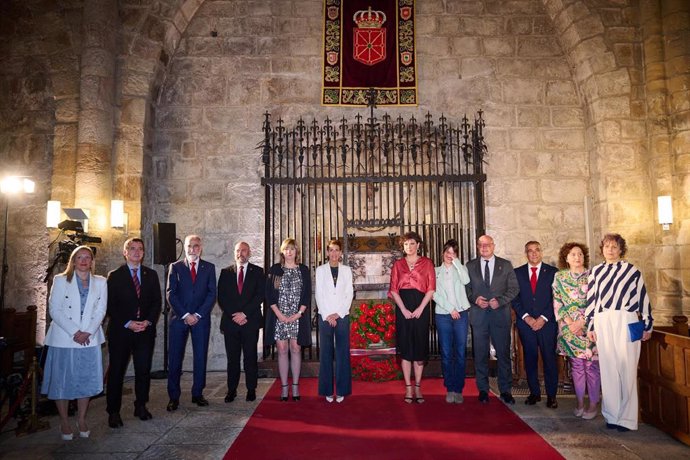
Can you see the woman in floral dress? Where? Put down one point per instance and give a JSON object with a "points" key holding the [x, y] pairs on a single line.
{"points": [[288, 325], [570, 302]]}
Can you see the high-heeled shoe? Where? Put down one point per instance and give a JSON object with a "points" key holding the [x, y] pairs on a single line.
{"points": [[418, 393], [408, 399], [295, 392], [284, 392]]}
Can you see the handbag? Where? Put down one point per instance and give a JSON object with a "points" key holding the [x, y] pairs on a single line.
{"points": [[636, 329]]}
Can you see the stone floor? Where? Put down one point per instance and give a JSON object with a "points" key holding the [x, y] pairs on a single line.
{"points": [[206, 433]]}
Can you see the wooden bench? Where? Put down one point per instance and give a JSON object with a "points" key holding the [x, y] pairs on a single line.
{"points": [[664, 381], [19, 331]]}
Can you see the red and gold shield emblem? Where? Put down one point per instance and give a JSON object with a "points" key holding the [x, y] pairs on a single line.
{"points": [[406, 58], [369, 46], [405, 13], [333, 12], [332, 57]]}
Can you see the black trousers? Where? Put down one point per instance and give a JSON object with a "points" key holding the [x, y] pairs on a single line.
{"points": [[241, 339], [121, 346]]}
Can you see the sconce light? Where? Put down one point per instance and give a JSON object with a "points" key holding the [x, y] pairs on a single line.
{"points": [[665, 211], [117, 213], [53, 214], [118, 216]]}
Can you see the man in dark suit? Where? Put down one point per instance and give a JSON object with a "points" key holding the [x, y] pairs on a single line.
{"points": [[491, 288], [537, 324], [134, 305], [191, 294], [241, 290]]}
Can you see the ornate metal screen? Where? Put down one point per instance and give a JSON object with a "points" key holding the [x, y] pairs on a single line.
{"points": [[388, 175]]}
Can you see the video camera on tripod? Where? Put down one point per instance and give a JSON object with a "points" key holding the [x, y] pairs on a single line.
{"points": [[74, 237]]}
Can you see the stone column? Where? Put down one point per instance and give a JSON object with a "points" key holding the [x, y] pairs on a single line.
{"points": [[95, 134]]}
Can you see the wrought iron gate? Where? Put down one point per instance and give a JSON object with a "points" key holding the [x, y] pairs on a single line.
{"points": [[327, 180]]}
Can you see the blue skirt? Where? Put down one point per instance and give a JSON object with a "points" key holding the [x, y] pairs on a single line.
{"points": [[73, 373]]}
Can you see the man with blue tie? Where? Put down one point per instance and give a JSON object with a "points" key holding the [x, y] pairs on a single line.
{"points": [[537, 324], [491, 288], [191, 293]]}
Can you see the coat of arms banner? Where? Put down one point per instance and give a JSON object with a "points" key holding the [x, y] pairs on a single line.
{"points": [[369, 44]]}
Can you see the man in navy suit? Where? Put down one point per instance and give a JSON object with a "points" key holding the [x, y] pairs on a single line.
{"points": [[491, 288], [537, 324], [241, 290], [191, 293]]}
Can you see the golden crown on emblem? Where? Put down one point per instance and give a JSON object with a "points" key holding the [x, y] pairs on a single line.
{"points": [[369, 19]]}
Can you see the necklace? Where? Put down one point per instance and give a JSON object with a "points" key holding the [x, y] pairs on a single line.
{"points": [[411, 264]]}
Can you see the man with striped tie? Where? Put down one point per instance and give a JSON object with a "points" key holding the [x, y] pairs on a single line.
{"points": [[191, 294], [134, 305]]}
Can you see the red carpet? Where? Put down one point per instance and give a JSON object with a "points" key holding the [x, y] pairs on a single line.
{"points": [[375, 423]]}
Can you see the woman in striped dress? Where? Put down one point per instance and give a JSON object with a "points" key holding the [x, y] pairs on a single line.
{"points": [[617, 297]]}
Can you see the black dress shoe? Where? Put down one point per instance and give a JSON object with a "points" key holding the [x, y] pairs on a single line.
{"points": [[199, 401], [230, 396], [611, 426], [251, 395], [173, 404], [507, 398], [622, 429], [142, 413], [114, 420], [483, 397], [551, 402], [532, 399]]}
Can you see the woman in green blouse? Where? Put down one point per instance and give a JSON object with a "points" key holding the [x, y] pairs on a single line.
{"points": [[569, 303]]}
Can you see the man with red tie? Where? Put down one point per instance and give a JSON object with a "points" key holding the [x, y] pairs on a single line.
{"points": [[134, 305], [241, 290], [191, 293], [537, 324]]}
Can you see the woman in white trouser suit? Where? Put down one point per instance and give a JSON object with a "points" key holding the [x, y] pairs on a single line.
{"points": [[617, 297]]}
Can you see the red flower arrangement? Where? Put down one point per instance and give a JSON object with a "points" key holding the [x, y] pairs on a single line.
{"points": [[372, 323], [372, 326]]}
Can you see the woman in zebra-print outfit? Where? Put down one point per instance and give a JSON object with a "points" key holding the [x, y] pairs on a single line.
{"points": [[617, 297]]}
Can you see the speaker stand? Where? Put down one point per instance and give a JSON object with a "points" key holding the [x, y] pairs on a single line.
{"points": [[163, 374]]}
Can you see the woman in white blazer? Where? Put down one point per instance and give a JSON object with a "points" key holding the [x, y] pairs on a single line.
{"points": [[74, 367], [333, 294], [451, 315]]}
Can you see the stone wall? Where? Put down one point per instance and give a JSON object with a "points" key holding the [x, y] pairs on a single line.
{"points": [[503, 59], [161, 104]]}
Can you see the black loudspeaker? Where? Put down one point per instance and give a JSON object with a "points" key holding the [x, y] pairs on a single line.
{"points": [[164, 243]]}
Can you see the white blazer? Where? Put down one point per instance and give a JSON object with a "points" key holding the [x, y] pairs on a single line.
{"points": [[333, 299], [65, 311]]}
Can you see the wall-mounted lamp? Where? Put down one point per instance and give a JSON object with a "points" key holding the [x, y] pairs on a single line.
{"points": [[117, 213], [118, 216], [665, 211], [53, 214]]}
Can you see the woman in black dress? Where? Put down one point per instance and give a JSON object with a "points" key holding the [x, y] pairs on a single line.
{"points": [[413, 282]]}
